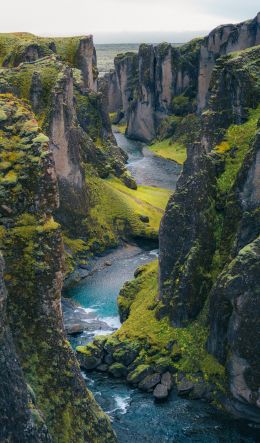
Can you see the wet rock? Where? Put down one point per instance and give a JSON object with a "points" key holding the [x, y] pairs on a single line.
{"points": [[77, 320], [126, 356], [166, 380], [184, 387], [102, 368], [118, 370], [149, 382], [139, 373], [88, 362], [108, 359], [160, 392], [201, 390]]}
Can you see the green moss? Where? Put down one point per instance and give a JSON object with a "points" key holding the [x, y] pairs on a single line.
{"points": [[115, 211], [32, 242], [234, 148], [170, 150], [3, 115], [143, 327], [41, 138]]}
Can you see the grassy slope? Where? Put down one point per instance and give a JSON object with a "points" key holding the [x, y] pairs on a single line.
{"points": [[172, 151], [143, 325], [116, 211]]}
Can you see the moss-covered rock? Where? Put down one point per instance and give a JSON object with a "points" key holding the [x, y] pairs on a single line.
{"points": [[33, 250]]}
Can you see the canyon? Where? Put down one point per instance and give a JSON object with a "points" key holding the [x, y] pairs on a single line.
{"points": [[70, 192]]}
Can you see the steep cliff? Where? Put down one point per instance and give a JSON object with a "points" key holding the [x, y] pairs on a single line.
{"points": [[20, 419], [62, 90], [198, 325], [221, 41], [148, 81], [172, 81], [33, 250], [209, 233]]}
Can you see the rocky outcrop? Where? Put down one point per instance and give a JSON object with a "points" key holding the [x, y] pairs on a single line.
{"points": [[75, 119], [79, 52], [234, 329], [222, 41], [109, 87], [165, 80], [33, 250], [86, 61], [209, 234], [145, 84]]}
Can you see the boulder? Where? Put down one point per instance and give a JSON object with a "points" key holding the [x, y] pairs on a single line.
{"points": [[88, 362], [166, 380], [149, 382], [118, 370], [160, 392], [108, 359], [184, 387], [139, 373], [102, 368]]}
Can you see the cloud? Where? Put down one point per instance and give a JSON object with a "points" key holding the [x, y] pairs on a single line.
{"points": [[121, 17]]}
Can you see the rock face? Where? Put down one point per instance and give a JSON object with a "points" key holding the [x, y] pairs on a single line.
{"points": [[164, 80], [86, 61], [111, 91], [221, 41], [209, 235], [33, 251], [61, 87], [18, 416]]}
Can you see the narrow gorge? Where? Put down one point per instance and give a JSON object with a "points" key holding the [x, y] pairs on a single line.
{"points": [[130, 240]]}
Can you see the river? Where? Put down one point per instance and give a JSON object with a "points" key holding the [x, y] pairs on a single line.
{"points": [[135, 417]]}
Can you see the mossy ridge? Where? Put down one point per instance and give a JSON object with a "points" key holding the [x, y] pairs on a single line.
{"points": [[158, 343], [65, 47], [31, 240], [115, 212], [20, 81]]}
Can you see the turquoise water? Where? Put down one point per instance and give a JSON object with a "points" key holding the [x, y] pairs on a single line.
{"points": [[147, 168], [98, 293], [135, 417]]}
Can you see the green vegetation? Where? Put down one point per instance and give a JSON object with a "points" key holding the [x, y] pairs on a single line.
{"points": [[116, 210], [170, 150], [143, 326], [156, 342], [234, 149]]}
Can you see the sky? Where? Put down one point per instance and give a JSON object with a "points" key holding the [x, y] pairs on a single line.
{"points": [[124, 21]]}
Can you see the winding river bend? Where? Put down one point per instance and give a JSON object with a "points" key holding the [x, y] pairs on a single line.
{"points": [[135, 416]]}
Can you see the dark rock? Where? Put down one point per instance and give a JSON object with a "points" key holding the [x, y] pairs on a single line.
{"points": [[139, 373], [166, 380], [160, 392], [144, 218], [108, 359], [102, 368], [184, 387], [149, 382], [118, 370], [88, 362]]}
